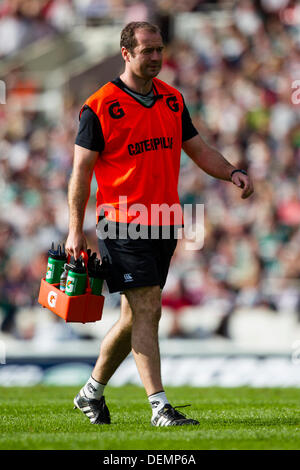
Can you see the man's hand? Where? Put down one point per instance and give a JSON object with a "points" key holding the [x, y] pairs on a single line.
{"points": [[76, 243], [244, 182]]}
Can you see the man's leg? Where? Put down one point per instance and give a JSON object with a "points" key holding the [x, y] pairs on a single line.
{"points": [[137, 328], [115, 346], [145, 303]]}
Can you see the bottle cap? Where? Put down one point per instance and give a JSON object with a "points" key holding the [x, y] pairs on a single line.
{"points": [[77, 266], [101, 270], [58, 254]]}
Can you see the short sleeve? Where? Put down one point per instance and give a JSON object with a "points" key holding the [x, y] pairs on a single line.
{"points": [[188, 129], [90, 135]]}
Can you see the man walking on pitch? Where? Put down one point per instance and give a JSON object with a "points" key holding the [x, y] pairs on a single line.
{"points": [[131, 133]]}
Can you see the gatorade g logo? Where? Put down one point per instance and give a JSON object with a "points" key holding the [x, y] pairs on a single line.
{"points": [[49, 273], [115, 110], [70, 285], [173, 103], [52, 296]]}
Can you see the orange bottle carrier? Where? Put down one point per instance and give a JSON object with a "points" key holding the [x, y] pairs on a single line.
{"points": [[83, 308]]}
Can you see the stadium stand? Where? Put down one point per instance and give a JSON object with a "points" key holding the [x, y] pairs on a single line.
{"points": [[235, 63]]}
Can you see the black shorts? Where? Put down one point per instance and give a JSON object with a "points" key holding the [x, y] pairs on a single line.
{"points": [[136, 262]]}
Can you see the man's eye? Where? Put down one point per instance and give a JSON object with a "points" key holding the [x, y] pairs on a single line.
{"points": [[149, 51]]}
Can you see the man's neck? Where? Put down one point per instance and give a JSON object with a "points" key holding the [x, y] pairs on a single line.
{"points": [[139, 85]]}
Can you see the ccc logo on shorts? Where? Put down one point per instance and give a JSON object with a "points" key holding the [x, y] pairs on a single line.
{"points": [[115, 110], [173, 103]]}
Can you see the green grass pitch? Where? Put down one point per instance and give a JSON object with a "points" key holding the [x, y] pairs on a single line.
{"points": [[42, 417]]}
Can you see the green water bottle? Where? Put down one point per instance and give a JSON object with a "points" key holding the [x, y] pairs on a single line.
{"points": [[77, 277], [56, 261], [95, 276], [96, 273], [96, 284]]}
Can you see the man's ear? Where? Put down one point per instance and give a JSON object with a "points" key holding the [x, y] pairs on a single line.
{"points": [[125, 54]]}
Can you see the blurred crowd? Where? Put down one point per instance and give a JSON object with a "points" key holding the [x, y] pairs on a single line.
{"points": [[24, 21], [236, 78]]}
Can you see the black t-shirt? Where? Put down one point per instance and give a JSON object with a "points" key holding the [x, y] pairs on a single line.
{"points": [[90, 135]]}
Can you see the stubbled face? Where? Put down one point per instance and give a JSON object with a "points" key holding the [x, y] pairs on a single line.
{"points": [[146, 61]]}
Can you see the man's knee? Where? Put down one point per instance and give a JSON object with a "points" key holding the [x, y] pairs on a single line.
{"points": [[145, 303], [126, 314]]}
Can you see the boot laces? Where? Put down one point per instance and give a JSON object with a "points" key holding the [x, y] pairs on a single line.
{"points": [[173, 413]]}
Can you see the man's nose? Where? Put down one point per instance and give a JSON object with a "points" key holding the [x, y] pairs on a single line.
{"points": [[156, 55]]}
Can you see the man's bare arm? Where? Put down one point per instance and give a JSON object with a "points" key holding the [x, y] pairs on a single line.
{"points": [[78, 196], [212, 162]]}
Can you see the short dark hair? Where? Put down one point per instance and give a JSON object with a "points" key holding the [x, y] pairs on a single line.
{"points": [[128, 39]]}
